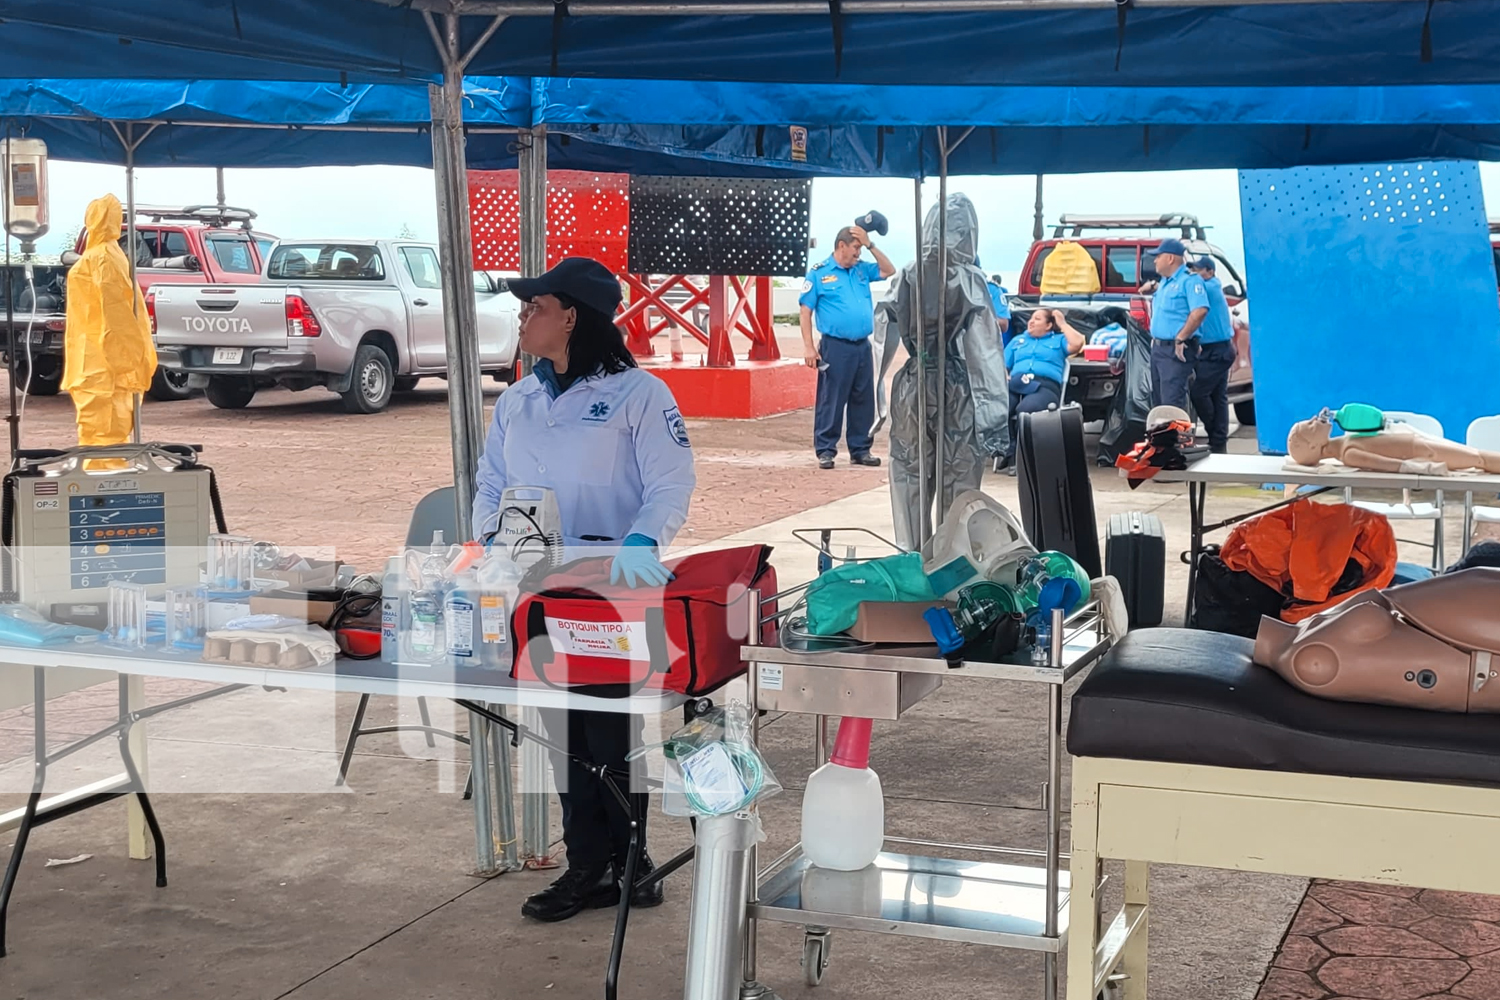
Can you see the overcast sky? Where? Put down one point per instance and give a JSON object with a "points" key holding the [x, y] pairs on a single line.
{"points": [[379, 201]]}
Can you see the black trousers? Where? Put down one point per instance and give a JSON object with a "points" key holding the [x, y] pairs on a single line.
{"points": [[1048, 393], [596, 829], [1210, 392]]}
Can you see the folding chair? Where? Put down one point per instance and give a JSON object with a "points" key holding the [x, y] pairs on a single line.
{"points": [[1406, 510], [434, 512], [1483, 434]]}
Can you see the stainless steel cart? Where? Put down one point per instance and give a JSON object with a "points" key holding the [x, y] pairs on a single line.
{"points": [[1007, 905]]}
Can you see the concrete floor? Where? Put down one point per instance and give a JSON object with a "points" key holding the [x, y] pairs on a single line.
{"points": [[282, 887]]}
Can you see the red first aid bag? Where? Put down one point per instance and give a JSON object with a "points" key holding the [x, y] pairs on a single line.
{"points": [[575, 630]]}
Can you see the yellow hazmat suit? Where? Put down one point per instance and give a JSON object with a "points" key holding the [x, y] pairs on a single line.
{"points": [[109, 354]]}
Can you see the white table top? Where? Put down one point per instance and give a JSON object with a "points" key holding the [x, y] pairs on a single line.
{"points": [[1258, 469], [361, 676]]}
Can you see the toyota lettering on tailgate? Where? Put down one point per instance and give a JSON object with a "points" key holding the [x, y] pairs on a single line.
{"points": [[216, 324]]}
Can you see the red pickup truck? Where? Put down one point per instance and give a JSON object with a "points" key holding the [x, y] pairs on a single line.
{"points": [[1125, 262], [192, 244]]}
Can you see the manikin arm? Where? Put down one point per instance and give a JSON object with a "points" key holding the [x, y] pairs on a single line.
{"points": [[1359, 458]]}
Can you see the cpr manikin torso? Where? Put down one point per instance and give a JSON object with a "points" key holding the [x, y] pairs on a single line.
{"points": [[1310, 442], [1434, 644]]}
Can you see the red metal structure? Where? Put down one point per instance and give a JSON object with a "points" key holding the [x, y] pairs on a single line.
{"points": [[727, 304], [588, 214]]}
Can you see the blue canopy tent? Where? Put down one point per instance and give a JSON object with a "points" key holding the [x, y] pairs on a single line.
{"points": [[897, 42]]}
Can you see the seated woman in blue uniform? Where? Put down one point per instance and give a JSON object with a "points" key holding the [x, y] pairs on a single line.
{"points": [[608, 440], [1036, 361]]}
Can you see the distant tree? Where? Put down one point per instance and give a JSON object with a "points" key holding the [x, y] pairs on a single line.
{"points": [[70, 238], [406, 233]]}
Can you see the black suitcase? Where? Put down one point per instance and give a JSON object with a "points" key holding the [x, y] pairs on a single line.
{"points": [[1057, 499], [1135, 553]]}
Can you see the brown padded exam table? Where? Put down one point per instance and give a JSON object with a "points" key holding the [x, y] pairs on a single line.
{"points": [[1186, 753]]}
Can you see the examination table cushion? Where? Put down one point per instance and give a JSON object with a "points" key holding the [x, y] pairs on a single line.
{"points": [[1192, 697]]}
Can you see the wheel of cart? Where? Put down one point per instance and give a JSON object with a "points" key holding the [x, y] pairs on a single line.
{"points": [[816, 942]]}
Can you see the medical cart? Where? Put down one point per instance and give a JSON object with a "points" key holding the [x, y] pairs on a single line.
{"points": [[911, 892]]}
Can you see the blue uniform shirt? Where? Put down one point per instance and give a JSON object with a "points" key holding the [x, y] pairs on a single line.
{"points": [[613, 448], [1216, 328], [1175, 298], [839, 298], [998, 300], [1044, 357]]}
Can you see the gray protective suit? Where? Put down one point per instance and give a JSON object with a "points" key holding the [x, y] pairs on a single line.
{"points": [[977, 403]]}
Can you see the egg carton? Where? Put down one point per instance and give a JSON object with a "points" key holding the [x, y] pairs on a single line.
{"points": [[257, 653]]}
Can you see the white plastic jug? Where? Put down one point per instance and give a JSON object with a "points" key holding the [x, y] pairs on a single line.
{"points": [[843, 808]]}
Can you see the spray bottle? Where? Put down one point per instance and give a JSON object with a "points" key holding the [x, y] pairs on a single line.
{"points": [[843, 809]]}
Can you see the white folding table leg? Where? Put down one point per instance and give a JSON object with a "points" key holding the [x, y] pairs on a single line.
{"points": [[135, 820]]}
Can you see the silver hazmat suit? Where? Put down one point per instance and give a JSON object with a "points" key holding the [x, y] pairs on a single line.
{"points": [[977, 403]]}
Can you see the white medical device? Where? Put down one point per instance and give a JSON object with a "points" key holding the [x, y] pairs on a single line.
{"points": [[979, 539], [530, 526]]}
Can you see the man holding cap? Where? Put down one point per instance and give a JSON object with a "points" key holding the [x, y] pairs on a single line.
{"points": [[1178, 307], [836, 298], [1210, 390]]}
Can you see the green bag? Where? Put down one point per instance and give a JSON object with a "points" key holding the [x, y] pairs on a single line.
{"points": [[833, 599]]}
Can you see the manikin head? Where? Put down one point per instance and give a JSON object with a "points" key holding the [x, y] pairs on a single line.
{"points": [[1307, 444], [846, 247]]}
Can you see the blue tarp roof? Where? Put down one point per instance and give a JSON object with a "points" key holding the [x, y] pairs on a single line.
{"points": [[853, 130], [1382, 42]]}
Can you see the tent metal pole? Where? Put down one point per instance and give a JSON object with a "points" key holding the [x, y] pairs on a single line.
{"points": [[531, 165], [130, 147], [939, 451], [465, 399], [688, 8], [1036, 222], [919, 327]]}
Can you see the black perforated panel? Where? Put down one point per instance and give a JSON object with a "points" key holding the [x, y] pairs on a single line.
{"points": [[705, 225]]}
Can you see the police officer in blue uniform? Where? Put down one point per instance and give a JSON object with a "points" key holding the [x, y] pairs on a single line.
{"points": [[608, 440], [836, 299], [1216, 355], [1178, 307], [1037, 360]]}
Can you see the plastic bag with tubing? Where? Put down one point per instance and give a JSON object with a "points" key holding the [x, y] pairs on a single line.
{"points": [[108, 352], [1305, 549], [977, 403], [23, 626], [833, 599], [712, 767]]}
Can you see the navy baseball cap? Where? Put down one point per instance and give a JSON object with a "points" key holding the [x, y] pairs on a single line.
{"points": [[582, 279], [874, 222], [1172, 246], [1203, 264]]}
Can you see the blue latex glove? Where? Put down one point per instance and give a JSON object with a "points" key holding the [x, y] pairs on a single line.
{"points": [[637, 564]]}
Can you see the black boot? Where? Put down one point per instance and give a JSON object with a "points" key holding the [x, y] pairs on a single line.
{"points": [[646, 898], [578, 890]]}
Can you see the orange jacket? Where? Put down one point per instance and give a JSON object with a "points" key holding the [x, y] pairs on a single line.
{"points": [[1308, 545]]}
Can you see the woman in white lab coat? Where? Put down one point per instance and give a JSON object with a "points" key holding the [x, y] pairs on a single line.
{"points": [[608, 440]]}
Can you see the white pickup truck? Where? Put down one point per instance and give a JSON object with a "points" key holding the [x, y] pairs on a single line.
{"points": [[361, 317]]}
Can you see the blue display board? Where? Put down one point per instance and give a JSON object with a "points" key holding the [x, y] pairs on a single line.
{"points": [[1373, 284]]}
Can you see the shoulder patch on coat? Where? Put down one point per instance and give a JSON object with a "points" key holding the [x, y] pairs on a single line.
{"points": [[677, 427]]}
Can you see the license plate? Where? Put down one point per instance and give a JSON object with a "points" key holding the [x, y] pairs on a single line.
{"points": [[228, 355]]}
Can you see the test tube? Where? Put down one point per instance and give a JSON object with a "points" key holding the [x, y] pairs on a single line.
{"points": [[231, 563], [127, 614], [187, 615]]}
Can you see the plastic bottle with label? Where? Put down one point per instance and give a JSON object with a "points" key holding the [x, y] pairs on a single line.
{"points": [[461, 619], [499, 585], [391, 592]]}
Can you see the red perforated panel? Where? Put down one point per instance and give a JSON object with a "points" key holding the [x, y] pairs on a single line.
{"points": [[588, 215]]}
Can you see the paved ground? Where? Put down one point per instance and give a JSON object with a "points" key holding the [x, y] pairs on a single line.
{"points": [[363, 892]]}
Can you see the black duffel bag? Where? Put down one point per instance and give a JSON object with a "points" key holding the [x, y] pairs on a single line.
{"points": [[1231, 601]]}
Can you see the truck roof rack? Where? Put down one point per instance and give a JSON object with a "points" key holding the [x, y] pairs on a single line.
{"points": [[1495, 225], [220, 216], [1191, 228]]}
